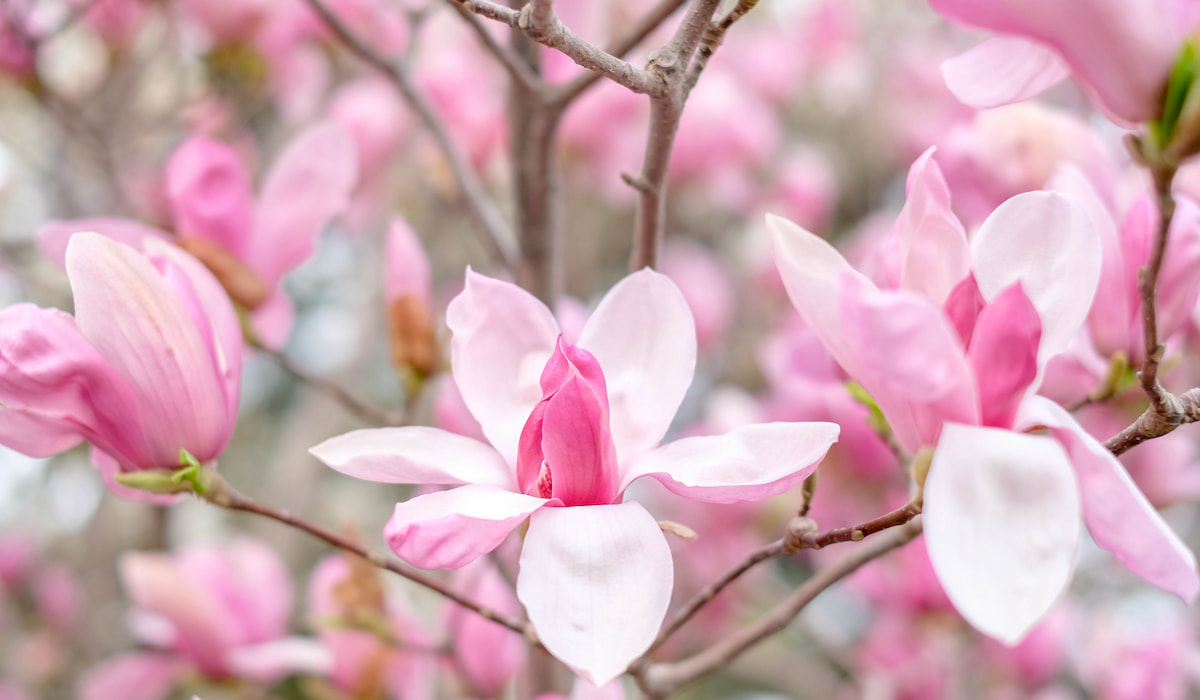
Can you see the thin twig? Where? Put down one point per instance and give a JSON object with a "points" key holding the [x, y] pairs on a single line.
{"points": [[670, 64], [619, 47], [711, 591], [498, 238], [491, 10], [661, 680], [226, 497], [516, 67], [337, 392], [711, 41], [1148, 288], [1181, 409], [814, 540]]}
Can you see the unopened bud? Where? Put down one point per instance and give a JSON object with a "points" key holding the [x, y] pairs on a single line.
{"points": [[242, 284], [414, 342]]}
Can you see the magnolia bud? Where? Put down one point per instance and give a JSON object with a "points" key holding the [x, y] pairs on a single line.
{"points": [[242, 284]]}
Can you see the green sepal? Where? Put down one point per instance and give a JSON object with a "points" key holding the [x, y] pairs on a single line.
{"points": [[190, 477], [1179, 95], [875, 417]]}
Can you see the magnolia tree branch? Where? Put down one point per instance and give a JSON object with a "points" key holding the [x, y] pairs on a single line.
{"points": [[221, 494], [498, 238], [1177, 410], [1163, 176], [663, 679], [516, 67], [713, 36], [801, 534], [621, 46], [335, 391]]}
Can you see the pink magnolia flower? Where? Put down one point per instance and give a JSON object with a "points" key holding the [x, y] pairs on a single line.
{"points": [[486, 654], [595, 572], [1121, 51], [150, 364], [220, 612], [952, 357], [218, 219]]}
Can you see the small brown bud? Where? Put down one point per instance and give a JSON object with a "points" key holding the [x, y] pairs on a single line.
{"points": [[242, 284], [414, 343]]}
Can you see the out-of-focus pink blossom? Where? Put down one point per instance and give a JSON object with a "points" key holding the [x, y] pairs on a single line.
{"points": [[485, 653], [705, 285], [150, 364], [221, 612], [1120, 51], [596, 572]]}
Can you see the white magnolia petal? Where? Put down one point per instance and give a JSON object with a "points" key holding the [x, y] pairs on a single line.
{"points": [[644, 337], [1003, 70], [1001, 525], [503, 337], [747, 464], [1046, 241], [1116, 513], [596, 582], [450, 529], [414, 455]]}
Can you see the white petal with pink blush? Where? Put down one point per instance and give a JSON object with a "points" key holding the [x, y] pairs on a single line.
{"points": [[1001, 525]]}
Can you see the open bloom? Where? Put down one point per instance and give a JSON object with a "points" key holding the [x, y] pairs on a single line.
{"points": [[150, 364], [220, 612], [953, 358], [1121, 51], [595, 572]]}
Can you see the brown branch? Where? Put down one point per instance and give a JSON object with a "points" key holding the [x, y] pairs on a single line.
{"points": [[807, 538], [670, 65], [663, 679], [337, 392], [1148, 289], [513, 63], [711, 41], [221, 494], [1178, 410], [619, 47], [498, 238], [491, 10]]}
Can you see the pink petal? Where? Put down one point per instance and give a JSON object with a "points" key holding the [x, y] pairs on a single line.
{"points": [[487, 654], [127, 311], [904, 352], [1001, 526], [209, 188], [53, 237], [1117, 515], [204, 630], [1003, 70], [962, 307], [273, 661], [748, 464], [407, 263], [214, 315], [1003, 353], [1122, 51], [811, 269], [1046, 241], [578, 446], [272, 321], [503, 337], [644, 337], [1179, 283], [927, 251], [1112, 314], [414, 455], [596, 582], [450, 529], [307, 187], [139, 676], [60, 385], [253, 583]]}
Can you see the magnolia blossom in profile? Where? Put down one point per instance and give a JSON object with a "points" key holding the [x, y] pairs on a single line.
{"points": [[1121, 51], [150, 364], [221, 612], [953, 355], [570, 427]]}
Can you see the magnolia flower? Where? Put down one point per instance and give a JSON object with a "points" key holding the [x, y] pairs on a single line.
{"points": [[953, 358], [595, 571], [150, 364], [221, 612], [1121, 51]]}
